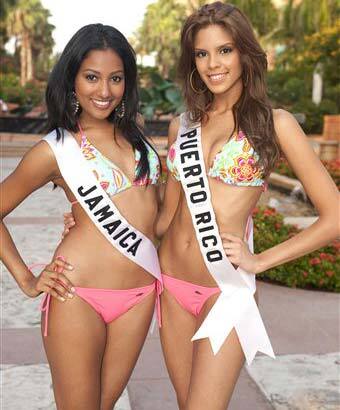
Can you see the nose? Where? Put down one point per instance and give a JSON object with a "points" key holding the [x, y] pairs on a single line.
{"points": [[213, 62], [104, 90]]}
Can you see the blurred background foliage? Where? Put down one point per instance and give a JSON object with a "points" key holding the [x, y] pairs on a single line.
{"points": [[298, 36]]}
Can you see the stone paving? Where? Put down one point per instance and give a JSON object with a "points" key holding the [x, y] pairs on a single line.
{"points": [[321, 392], [303, 326], [30, 388]]}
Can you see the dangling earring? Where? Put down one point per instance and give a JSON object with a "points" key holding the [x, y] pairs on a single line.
{"points": [[120, 110], [75, 103], [192, 85]]}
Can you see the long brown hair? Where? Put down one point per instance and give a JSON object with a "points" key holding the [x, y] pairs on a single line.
{"points": [[252, 112]]}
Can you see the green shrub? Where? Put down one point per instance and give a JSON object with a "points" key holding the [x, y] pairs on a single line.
{"points": [[12, 91], [290, 83], [332, 167], [317, 270], [34, 93], [314, 113], [158, 96]]}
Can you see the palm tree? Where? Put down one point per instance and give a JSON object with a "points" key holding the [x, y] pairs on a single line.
{"points": [[5, 7], [305, 17], [24, 20]]}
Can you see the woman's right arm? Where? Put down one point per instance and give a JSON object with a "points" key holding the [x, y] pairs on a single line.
{"points": [[36, 168], [172, 190]]}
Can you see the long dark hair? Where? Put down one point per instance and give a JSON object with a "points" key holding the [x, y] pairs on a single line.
{"points": [[60, 87], [252, 112]]}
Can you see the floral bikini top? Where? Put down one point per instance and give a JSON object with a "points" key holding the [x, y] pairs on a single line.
{"points": [[111, 178], [234, 164]]}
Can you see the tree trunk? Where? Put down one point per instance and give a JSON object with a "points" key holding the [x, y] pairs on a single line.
{"points": [[23, 60], [26, 61], [29, 60]]}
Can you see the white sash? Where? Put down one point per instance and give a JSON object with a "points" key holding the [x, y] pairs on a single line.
{"points": [[236, 306], [99, 207]]}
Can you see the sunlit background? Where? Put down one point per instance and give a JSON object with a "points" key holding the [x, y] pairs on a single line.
{"points": [[300, 38]]}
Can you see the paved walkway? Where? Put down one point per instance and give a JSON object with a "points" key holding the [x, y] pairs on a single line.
{"points": [[303, 326]]}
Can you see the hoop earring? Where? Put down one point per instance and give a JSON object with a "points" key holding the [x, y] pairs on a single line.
{"points": [[120, 110], [75, 103], [192, 85]]}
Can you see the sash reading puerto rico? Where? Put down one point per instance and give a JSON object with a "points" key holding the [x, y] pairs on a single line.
{"points": [[235, 306]]}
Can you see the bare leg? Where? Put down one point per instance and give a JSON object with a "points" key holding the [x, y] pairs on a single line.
{"points": [[213, 378], [178, 327], [75, 346], [125, 339]]}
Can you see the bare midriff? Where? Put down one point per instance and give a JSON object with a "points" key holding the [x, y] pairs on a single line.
{"points": [[96, 262], [179, 251]]}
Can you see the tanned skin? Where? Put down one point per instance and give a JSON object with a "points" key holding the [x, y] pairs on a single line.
{"points": [[202, 380], [90, 361]]}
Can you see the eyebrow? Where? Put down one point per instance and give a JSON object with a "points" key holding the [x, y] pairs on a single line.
{"points": [[97, 72], [218, 47]]}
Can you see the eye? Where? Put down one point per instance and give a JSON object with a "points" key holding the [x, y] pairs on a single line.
{"points": [[200, 54], [117, 78], [91, 77], [226, 50]]}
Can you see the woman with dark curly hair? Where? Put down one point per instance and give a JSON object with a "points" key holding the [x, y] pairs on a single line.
{"points": [[221, 152], [97, 312]]}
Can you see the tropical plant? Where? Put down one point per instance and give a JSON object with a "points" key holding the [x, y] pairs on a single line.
{"points": [[5, 7], [262, 14], [290, 83], [318, 270], [159, 33], [27, 21], [29, 95], [160, 30], [301, 18], [158, 96], [333, 168]]}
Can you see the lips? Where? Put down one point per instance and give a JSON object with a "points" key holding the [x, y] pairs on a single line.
{"points": [[101, 104], [218, 77]]}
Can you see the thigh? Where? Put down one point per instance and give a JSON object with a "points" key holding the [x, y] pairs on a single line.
{"points": [[214, 377], [125, 339], [74, 347], [178, 327]]}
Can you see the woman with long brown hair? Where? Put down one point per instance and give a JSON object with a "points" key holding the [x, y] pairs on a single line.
{"points": [[221, 152], [209, 278]]}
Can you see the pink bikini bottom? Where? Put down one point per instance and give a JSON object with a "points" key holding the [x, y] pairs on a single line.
{"points": [[190, 296], [110, 303]]}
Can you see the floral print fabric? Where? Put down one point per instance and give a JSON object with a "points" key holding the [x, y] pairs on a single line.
{"points": [[111, 178], [235, 164]]}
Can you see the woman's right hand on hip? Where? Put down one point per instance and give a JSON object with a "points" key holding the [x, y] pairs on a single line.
{"points": [[51, 280]]}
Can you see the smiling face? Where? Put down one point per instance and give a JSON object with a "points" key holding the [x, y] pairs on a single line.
{"points": [[217, 60], [99, 84]]}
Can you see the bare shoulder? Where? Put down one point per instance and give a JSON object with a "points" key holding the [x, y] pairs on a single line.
{"points": [[287, 128], [42, 151], [284, 122], [284, 119], [39, 160], [173, 129]]}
